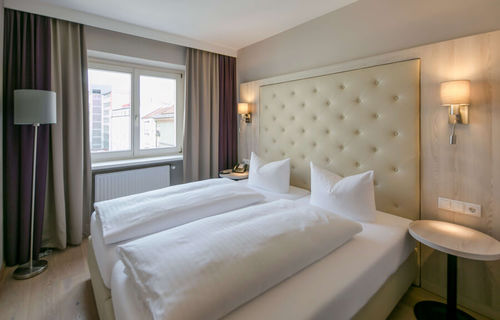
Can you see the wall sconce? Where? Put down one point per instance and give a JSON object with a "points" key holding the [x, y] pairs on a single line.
{"points": [[244, 111], [456, 96]]}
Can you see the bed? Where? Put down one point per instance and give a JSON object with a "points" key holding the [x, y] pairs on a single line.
{"points": [[347, 122], [106, 255]]}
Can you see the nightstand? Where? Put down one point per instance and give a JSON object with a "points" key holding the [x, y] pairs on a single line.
{"points": [[455, 241], [234, 175]]}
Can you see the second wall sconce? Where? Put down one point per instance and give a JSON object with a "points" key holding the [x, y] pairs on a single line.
{"points": [[456, 96], [244, 111]]}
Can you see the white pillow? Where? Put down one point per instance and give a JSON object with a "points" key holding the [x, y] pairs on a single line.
{"points": [[272, 176], [352, 196]]}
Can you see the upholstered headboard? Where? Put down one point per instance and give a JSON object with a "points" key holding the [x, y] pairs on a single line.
{"points": [[350, 122]]}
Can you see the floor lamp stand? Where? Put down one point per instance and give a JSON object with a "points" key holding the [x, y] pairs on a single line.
{"points": [[33, 267]]}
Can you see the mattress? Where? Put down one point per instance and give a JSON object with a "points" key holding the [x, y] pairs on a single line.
{"points": [[337, 286], [106, 255]]}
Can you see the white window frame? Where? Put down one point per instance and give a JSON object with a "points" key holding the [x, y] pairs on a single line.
{"points": [[136, 70]]}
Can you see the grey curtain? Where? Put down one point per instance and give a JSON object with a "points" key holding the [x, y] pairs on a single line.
{"points": [[201, 126], [228, 113], [67, 209]]}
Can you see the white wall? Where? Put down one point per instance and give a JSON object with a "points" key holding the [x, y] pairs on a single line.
{"points": [[363, 29], [1, 134], [128, 45]]}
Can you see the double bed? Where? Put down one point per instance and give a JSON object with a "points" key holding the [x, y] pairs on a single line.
{"points": [[348, 122]]}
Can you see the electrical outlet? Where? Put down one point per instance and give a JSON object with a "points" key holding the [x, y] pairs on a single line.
{"points": [[467, 208], [472, 209]]}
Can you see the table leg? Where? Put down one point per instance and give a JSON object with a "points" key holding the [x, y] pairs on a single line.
{"points": [[430, 310], [451, 290]]}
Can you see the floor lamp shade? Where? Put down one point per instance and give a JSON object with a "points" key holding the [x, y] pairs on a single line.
{"points": [[34, 106]]}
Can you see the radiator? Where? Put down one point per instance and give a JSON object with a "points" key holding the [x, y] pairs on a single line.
{"points": [[127, 182]]}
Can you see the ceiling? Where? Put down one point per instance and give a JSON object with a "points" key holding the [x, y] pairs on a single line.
{"points": [[232, 24]]}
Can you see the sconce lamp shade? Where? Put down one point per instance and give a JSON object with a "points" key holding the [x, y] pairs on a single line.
{"points": [[34, 106], [243, 108], [455, 92]]}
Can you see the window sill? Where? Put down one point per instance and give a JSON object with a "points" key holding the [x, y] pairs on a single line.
{"points": [[106, 165]]}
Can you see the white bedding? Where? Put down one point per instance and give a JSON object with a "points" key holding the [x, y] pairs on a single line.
{"points": [[207, 268], [294, 193], [141, 214], [106, 255], [337, 286]]}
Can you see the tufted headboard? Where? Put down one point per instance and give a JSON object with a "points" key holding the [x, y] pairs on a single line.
{"points": [[350, 122]]}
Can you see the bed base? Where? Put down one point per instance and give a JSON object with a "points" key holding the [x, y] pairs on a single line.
{"points": [[387, 297], [102, 294], [378, 307]]}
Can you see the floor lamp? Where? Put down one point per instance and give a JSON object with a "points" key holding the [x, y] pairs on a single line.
{"points": [[33, 107]]}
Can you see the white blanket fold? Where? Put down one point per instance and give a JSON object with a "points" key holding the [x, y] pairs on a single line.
{"points": [[141, 214], [205, 269]]}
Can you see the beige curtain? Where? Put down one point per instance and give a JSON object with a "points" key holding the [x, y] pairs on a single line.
{"points": [[67, 209], [201, 127]]}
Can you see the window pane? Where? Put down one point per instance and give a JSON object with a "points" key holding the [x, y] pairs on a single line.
{"points": [[157, 112], [109, 110]]}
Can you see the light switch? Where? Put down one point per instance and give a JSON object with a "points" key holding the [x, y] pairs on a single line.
{"points": [[444, 203], [457, 206], [467, 208]]}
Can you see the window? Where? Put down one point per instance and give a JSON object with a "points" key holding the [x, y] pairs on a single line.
{"points": [[110, 97], [157, 112], [134, 111]]}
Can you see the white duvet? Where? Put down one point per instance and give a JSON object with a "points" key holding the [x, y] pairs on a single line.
{"points": [[205, 269], [149, 212]]}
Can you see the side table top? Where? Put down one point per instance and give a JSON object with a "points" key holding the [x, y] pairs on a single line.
{"points": [[456, 240]]}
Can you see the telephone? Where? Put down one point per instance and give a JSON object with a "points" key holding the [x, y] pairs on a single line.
{"points": [[240, 168]]}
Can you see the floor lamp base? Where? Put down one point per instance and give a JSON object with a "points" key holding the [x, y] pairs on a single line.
{"points": [[25, 272]]}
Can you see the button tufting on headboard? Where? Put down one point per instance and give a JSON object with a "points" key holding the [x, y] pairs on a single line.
{"points": [[350, 122]]}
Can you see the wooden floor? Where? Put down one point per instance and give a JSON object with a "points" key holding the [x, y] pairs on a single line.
{"points": [[404, 309], [64, 292]]}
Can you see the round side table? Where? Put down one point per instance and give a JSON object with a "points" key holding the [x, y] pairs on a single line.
{"points": [[455, 241]]}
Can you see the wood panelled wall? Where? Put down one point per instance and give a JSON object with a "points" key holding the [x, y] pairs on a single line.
{"points": [[468, 171]]}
